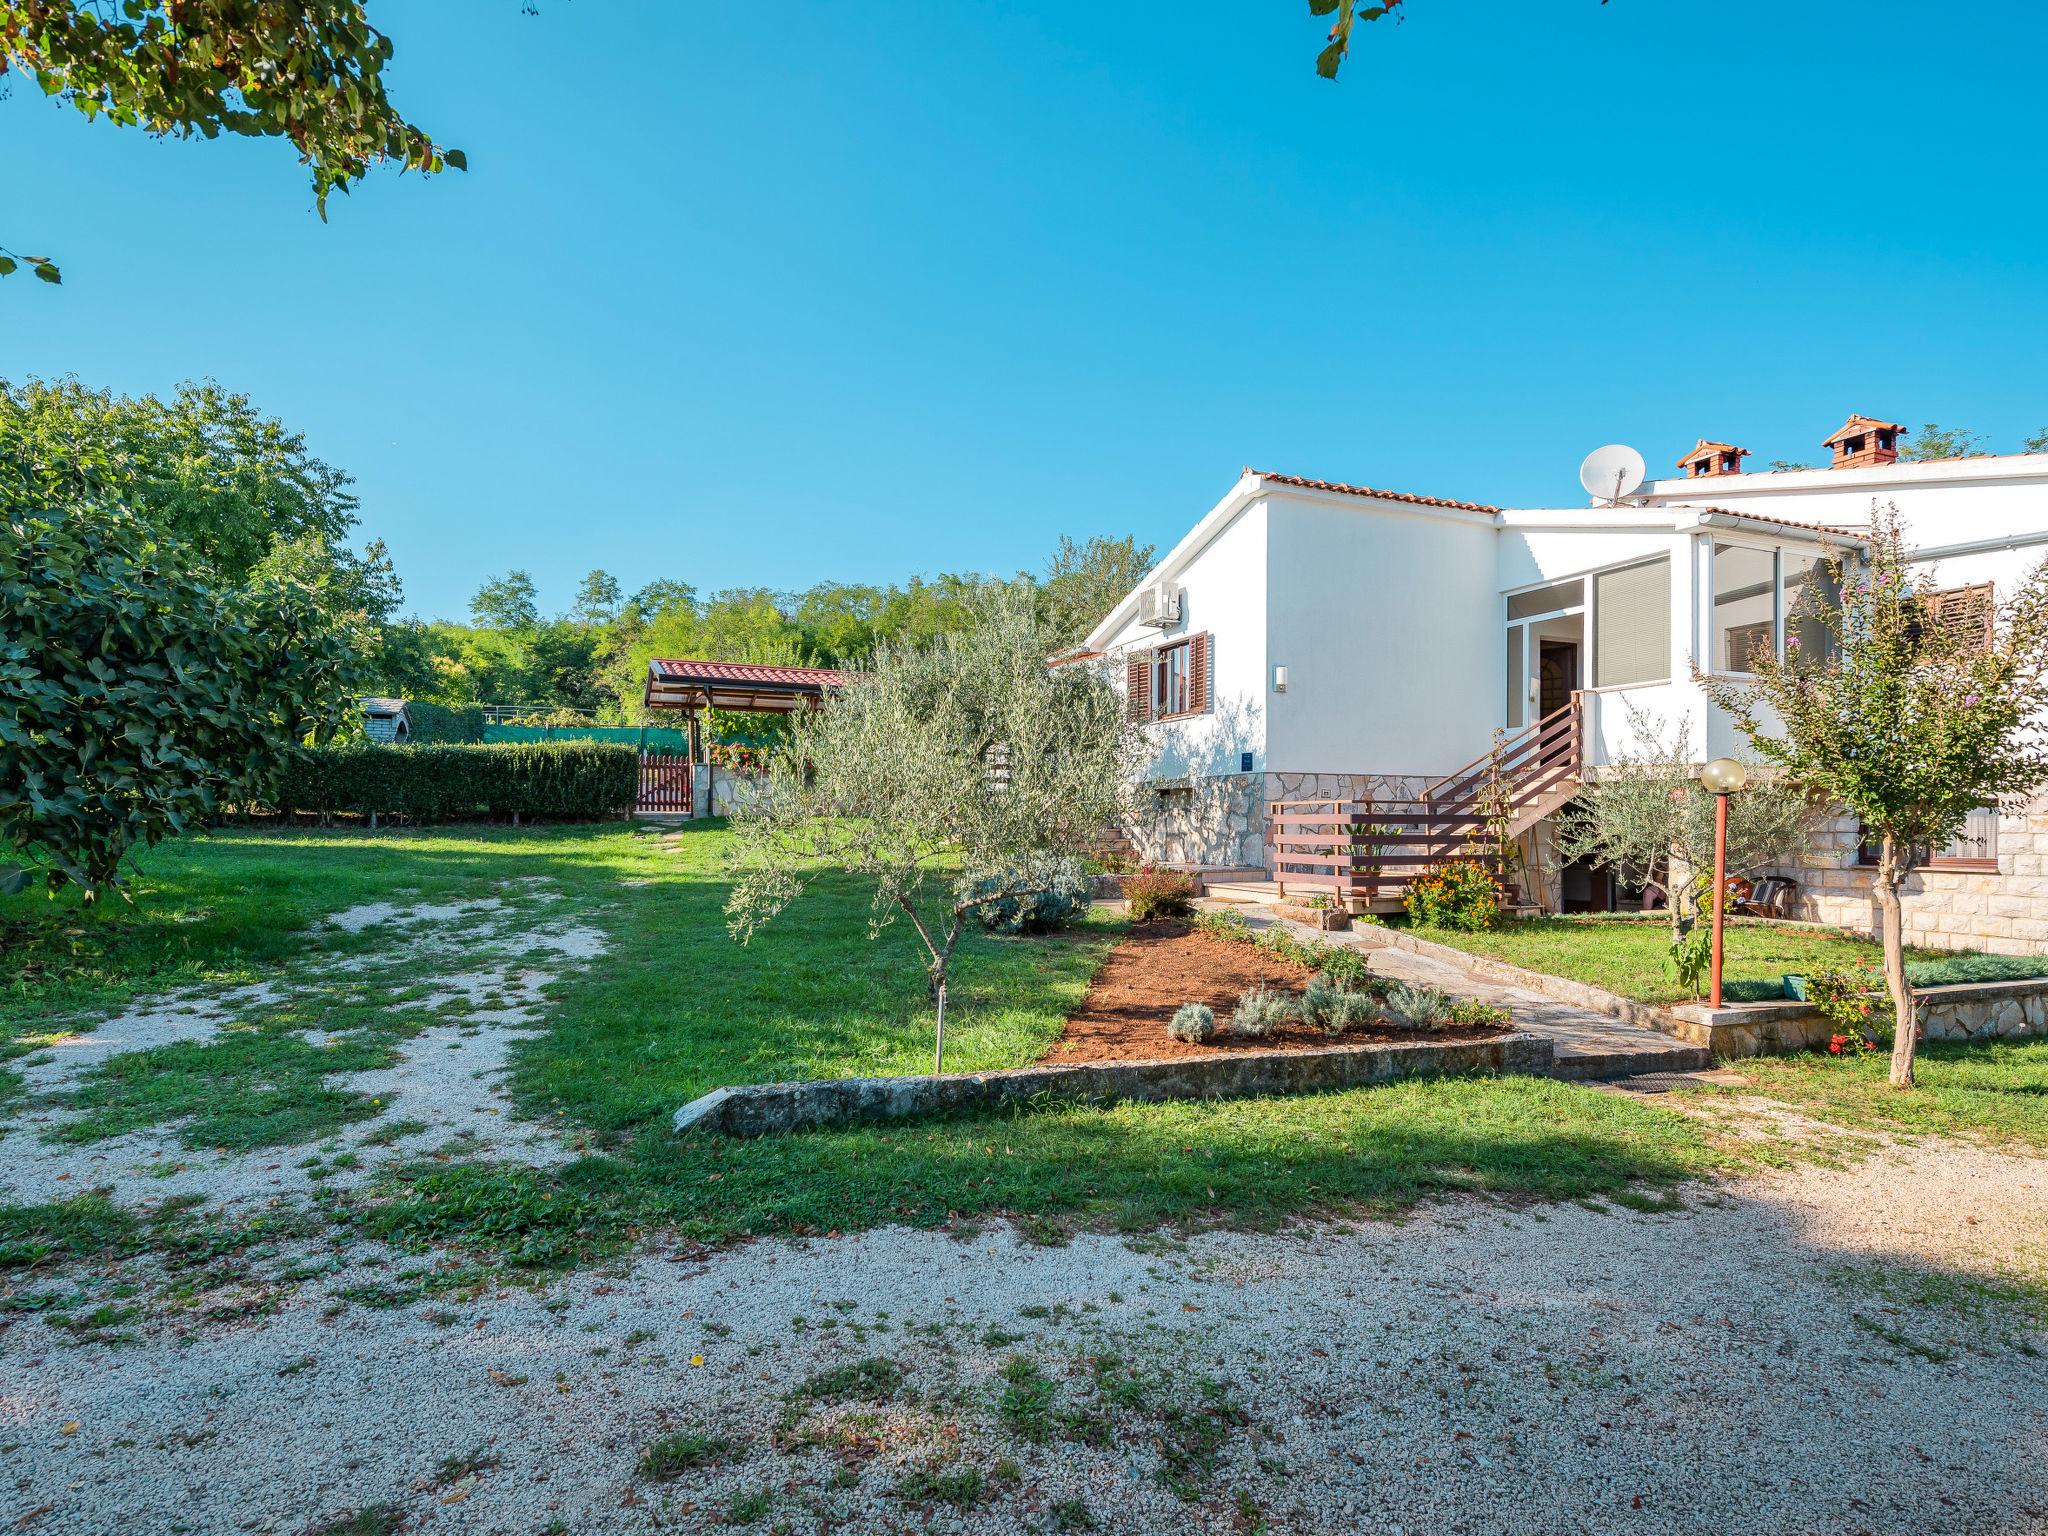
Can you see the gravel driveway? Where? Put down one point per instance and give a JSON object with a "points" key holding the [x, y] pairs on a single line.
{"points": [[1741, 1365]]}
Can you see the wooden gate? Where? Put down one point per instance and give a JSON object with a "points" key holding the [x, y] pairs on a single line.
{"points": [[664, 784]]}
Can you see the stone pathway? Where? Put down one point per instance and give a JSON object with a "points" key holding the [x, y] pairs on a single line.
{"points": [[1588, 1044]]}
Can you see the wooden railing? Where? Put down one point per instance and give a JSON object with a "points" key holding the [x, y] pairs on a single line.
{"points": [[1368, 851]]}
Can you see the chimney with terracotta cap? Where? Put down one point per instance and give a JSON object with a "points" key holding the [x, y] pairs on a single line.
{"points": [[1864, 442], [1712, 459]]}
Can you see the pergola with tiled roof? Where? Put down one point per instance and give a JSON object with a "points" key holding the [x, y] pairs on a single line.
{"points": [[737, 685]]}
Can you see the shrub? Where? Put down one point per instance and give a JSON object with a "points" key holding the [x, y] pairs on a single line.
{"points": [[1423, 1009], [1044, 894], [1155, 893], [566, 780], [1692, 955], [440, 725], [1229, 923], [1470, 1013], [138, 698], [1193, 1022], [1261, 1011], [1461, 895], [1333, 1007], [1849, 998], [1340, 962]]}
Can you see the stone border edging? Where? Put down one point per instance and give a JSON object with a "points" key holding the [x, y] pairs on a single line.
{"points": [[761, 1109], [2003, 1008]]}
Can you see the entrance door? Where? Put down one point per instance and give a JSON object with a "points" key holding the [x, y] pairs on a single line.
{"points": [[1557, 676]]}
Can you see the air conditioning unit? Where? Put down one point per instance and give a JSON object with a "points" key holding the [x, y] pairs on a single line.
{"points": [[1159, 607]]}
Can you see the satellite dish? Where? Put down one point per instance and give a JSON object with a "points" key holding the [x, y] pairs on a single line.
{"points": [[1611, 473]]}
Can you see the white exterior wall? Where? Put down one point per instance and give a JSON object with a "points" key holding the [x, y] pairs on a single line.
{"points": [[1223, 595], [1387, 618]]}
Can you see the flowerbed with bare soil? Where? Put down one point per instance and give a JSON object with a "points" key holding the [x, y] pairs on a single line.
{"points": [[1165, 964]]}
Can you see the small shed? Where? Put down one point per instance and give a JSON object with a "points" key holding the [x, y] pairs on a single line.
{"points": [[385, 720]]}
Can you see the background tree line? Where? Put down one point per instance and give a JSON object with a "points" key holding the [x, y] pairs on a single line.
{"points": [[240, 496]]}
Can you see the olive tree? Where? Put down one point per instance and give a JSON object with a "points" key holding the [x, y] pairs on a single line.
{"points": [[1647, 817], [1911, 717], [952, 775], [137, 698]]}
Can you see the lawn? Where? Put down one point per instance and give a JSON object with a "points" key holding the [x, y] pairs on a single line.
{"points": [[671, 1010], [1997, 1091], [1631, 955], [673, 1007]]}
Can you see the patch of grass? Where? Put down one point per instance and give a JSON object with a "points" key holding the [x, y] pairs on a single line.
{"points": [[866, 1381], [1898, 1338], [1130, 1168], [962, 1486], [1196, 1432], [1072, 1515], [1025, 1406], [669, 1458], [749, 1505], [1996, 1091], [376, 1520], [454, 1469], [1629, 955], [1980, 1311], [87, 1226]]}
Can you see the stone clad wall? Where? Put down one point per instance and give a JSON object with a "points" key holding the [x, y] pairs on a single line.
{"points": [[1222, 821], [2002, 913], [1215, 821]]}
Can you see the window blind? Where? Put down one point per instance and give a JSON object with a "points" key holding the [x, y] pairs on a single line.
{"points": [[1632, 624]]}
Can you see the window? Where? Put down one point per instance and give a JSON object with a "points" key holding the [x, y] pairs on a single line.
{"points": [[1555, 598], [1632, 624], [1810, 586], [1517, 687], [1170, 681], [1975, 847], [1745, 606]]}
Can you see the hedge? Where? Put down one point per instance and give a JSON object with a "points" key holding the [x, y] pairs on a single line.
{"points": [[437, 724], [568, 780]]}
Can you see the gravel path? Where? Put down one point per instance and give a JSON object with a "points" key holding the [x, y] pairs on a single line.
{"points": [[1737, 1366], [484, 968]]}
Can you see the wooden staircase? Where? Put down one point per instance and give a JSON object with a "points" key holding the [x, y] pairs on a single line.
{"points": [[1365, 852]]}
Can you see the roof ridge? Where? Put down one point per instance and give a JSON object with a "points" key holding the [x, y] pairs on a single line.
{"points": [[1365, 490]]}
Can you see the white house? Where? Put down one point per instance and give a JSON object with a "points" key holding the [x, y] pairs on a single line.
{"points": [[1315, 641]]}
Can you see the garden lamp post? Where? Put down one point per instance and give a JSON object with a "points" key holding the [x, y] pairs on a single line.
{"points": [[1722, 777]]}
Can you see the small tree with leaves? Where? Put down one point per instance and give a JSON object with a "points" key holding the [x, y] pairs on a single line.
{"points": [[1647, 818], [952, 775], [1910, 719]]}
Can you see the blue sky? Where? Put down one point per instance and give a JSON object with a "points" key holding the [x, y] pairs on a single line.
{"points": [[747, 294]]}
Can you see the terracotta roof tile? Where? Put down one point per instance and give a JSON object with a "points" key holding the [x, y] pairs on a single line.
{"points": [[1703, 446], [1366, 490], [667, 671], [1858, 424]]}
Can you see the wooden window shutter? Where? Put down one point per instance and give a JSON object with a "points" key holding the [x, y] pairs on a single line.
{"points": [[1966, 612], [1138, 679], [1198, 674]]}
